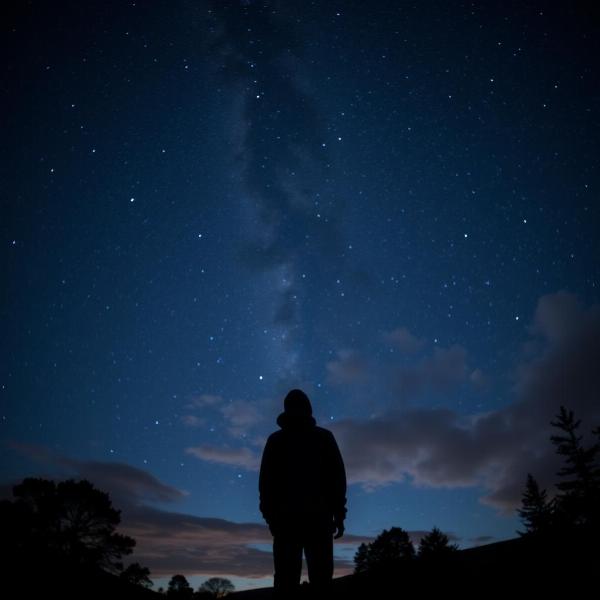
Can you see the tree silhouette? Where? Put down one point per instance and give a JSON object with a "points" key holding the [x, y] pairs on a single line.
{"points": [[389, 549], [436, 545], [536, 511], [361, 558], [580, 497], [71, 522], [137, 575], [217, 587], [179, 588]]}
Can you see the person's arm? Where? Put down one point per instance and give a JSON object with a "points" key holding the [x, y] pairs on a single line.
{"points": [[338, 481], [265, 481]]}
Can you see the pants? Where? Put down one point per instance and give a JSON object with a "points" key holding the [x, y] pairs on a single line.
{"points": [[316, 540]]}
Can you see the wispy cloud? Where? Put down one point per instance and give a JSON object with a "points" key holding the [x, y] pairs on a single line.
{"points": [[404, 340], [192, 421], [242, 457], [349, 367], [125, 483], [442, 371], [239, 417], [204, 400]]}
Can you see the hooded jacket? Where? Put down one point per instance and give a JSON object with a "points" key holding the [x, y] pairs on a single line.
{"points": [[302, 475]]}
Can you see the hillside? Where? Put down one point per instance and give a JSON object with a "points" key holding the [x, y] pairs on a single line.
{"points": [[570, 562], [68, 582]]}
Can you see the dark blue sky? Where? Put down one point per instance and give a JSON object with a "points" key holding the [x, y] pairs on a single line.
{"points": [[393, 206]]}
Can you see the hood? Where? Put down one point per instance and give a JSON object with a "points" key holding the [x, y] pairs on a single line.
{"points": [[297, 403]]}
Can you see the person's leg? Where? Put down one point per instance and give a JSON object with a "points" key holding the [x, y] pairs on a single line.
{"points": [[287, 560], [318, 550]]}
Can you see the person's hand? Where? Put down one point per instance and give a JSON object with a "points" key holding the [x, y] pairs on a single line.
{"points": [[338, 529]]}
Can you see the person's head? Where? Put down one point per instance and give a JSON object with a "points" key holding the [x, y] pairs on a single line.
{"points": [[297, 403]]}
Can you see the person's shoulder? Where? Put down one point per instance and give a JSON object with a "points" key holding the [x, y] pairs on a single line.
{"points": [[273, 437], [322, 430], [324, 433]]}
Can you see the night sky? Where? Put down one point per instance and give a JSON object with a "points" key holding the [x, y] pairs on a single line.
{"points": [[392, 206]]}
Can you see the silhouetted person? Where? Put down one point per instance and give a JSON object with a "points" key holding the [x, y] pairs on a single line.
{"points": [[302, 487]]}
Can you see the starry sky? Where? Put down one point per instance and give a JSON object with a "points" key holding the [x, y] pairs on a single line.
{"points": [[390, 205]]}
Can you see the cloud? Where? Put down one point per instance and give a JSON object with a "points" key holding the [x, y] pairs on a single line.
{"points": [[241, 416], [126, 482], [192, 421], [176, 543], [349, 367], [243, 457], [440, 372], [432, 446], [170, 542], [405, 341], [204, 400], [494, 450], [123, 482], [479, 379], [560, 316]]}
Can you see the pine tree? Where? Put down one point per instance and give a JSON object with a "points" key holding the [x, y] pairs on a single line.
{"points": [[436, 545], [578, 503], [536, 512]]}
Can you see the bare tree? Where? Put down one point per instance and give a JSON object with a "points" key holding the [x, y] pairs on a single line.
{"points": [[179, 588], [218, 587]]}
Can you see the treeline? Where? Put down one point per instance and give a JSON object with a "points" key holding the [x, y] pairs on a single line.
{"points": [[394, 547], [215, 587]]}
